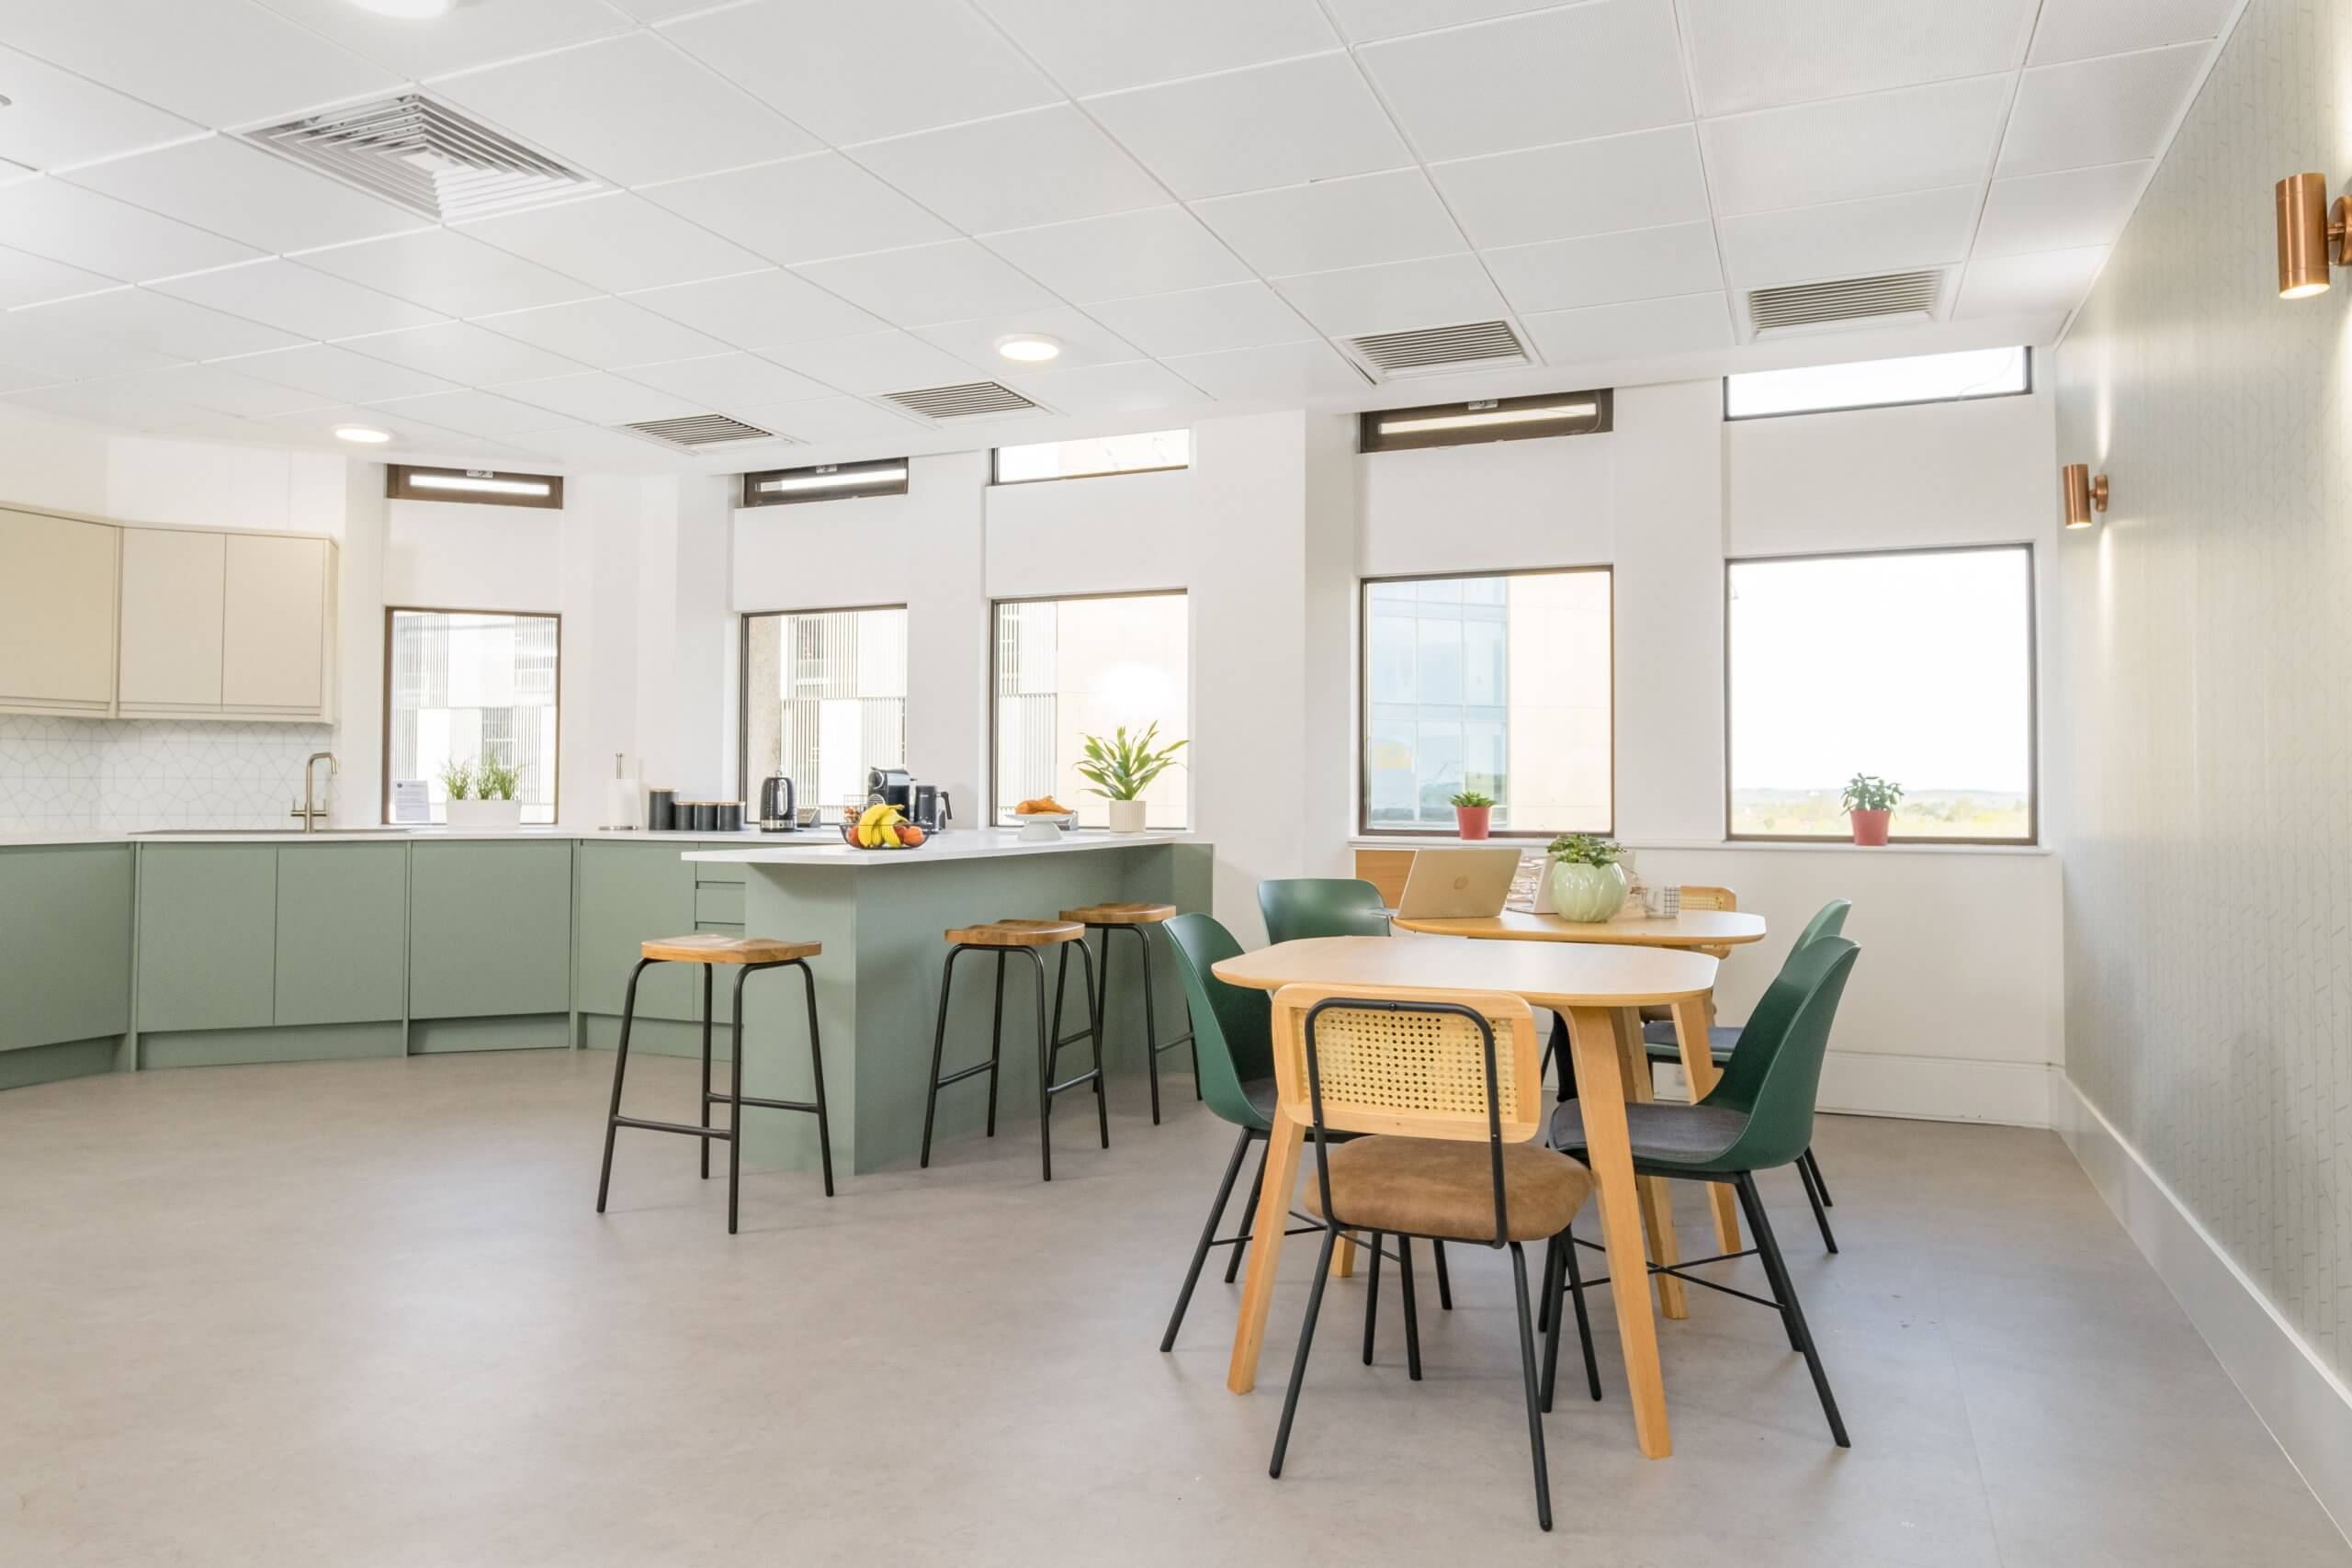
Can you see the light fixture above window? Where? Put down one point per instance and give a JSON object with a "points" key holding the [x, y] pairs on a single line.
{"points": [[364, 435], [486, 487], [1490, 419], [1029, 348], [2311, 235], [826, 481], [2084, 494]]}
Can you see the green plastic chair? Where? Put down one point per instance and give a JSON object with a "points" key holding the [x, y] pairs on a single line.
{"points": [[1658, 1040], [1758, 1117], [1297, 906]]}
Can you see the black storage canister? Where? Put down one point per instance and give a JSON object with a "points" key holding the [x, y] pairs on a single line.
{"points": [[659, 808]]}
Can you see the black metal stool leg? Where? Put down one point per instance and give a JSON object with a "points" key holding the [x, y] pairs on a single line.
{"points": [[620, 1070], [817, 1071], [1102, 1102], [1412, 1311], [995, 1041], [735, 1098], [1208, 1238], [1045, 1069], [1150, 1024], [1061, 993], [1233, 1264], [938, 1047], [710, 972]]}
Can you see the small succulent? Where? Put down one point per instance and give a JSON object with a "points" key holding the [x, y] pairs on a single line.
{"points": [[1586, 848], [1473, 799]]}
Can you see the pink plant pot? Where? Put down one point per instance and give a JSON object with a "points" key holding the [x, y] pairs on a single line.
{"points": [[1869, 827], [1473, 820]]}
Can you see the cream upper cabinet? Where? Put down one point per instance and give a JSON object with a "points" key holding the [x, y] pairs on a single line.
{"points": [[273, 651], [57, 614], [173, 593]]}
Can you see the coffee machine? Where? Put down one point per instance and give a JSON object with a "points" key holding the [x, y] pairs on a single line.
{"points": [[925, 805], [776, 805]]}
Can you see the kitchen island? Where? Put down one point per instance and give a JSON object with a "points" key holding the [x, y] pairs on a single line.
{"points": [[882, 916]]}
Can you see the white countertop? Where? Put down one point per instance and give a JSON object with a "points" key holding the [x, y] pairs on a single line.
{"points": [[370, 836], [973, 843]]}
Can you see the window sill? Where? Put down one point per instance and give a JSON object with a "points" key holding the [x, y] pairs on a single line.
{"points": [[1732, 846]]}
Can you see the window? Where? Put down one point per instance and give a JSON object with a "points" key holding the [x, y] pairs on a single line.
{"points": [[826, 481], [1917, 666], [824, 699], [1499, 685], [1880, 383], [1065, 668], [1138, 454], [1491, 419], [470, 687]]}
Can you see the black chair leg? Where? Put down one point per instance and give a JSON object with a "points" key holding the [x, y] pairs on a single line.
{"points": [[620, 1070], [1371, 1297], [1559, 1049], [1412, 1313], [939, 1047], [1813, 1196], [1784, 1292], [1547, 1296], [1576, 1296], [1306, 1342], [1820, 1182], [1527, 1379], [816, 1069], [1444, 1285], [1208, 1239], [1249, 1220], [710, 972]]}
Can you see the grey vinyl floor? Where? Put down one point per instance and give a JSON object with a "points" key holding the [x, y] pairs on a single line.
{"points": [[360, 1314]]}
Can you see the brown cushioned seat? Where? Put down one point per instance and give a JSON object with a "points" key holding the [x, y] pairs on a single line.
{"points": [[1445, 1188]]}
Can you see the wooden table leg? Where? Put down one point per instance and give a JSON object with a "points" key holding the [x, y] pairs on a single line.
{"points": [[1692, 1016], [1601, 1079], [1343, 1256], [1265, 1250], [1657, 1196]]}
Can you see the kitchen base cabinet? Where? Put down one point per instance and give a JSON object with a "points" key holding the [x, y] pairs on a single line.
{"points": [[490, 929], [342, 933], [64, 945], [628, 894], [208, 937]]}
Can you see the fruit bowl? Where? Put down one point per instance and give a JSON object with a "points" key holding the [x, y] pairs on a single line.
{"points": [[1043, 827], [849, 837]]}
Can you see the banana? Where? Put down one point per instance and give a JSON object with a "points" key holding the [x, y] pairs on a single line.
{"points": [[874, 826]]}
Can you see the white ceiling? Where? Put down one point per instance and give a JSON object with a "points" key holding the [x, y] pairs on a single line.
{"points": [[809, 203]]}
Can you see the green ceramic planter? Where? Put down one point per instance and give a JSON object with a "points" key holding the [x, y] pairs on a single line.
{"points": [[1582, 892]]}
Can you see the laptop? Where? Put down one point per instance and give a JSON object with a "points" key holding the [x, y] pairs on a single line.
{"points": [[1455, 884]]}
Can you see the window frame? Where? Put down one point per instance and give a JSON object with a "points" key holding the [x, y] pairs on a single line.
{"points": [[1600, 421], [2024, 391], [743, 619], [1364, 829], [996, 478], [1190, 813], [2032, 696], [384, 738], [400, 485], [749, 495]]}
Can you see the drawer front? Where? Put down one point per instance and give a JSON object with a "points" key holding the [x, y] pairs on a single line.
{"points": [[720, 902]]}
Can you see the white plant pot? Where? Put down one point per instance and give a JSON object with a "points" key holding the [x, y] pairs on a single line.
{"points": [[486, 816], [1127, 816]]}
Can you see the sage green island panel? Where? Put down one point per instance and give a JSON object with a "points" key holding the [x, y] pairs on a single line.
{"points": [[64, 945], [628, 894], [207, 936], [342, 932], [490, 929]]}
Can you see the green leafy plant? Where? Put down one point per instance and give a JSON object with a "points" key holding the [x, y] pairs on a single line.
{"points": [[458, 777], [1473, 799], [1586, 848], [1122, 768], [1867, 792], [497, 781]]}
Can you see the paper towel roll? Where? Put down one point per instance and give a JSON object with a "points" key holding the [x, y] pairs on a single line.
{"points": [[624, 803]]}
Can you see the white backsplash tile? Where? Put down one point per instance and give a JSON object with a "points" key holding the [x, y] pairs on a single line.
{"points": [[69, 775]]}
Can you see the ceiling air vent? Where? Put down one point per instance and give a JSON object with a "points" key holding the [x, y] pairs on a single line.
{"points": [[1433, 351], [1882, 300], [694, 432], [970, 401], [424, 155]]}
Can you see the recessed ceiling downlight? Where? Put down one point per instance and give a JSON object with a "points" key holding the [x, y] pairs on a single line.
{"points": [[407, 10], [1028, 348], [365, 434]]}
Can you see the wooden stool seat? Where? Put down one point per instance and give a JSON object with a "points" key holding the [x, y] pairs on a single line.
{"points": [[1120, 914], [1017, 933], [709, 947]]}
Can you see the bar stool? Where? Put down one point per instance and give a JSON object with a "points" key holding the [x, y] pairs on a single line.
{"points": [[1004, 938], [749, 955], [1109, 917]]}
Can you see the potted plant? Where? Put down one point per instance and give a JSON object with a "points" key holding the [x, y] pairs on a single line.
{"points": [[1121, 769], [1870, 800], [481, 800], [1472, 812], [1587, 882]]}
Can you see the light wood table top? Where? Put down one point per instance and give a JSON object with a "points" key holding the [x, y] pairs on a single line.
{"points": [[1692, 928], [1548, 976]]}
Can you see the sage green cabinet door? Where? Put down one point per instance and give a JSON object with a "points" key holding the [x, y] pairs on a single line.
{"points": [[490, 929], [342, 932], [64, 945], [207, 936], [628, 894]]}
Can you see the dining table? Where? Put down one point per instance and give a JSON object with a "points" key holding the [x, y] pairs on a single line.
{"points": [[1711, 931], [1589, 984]]}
